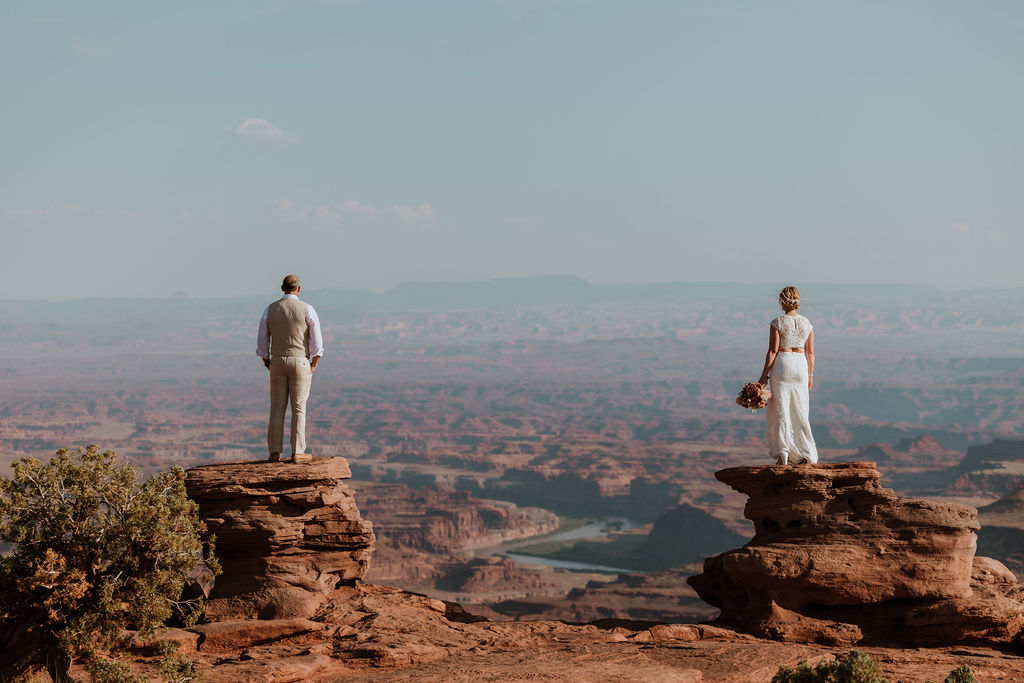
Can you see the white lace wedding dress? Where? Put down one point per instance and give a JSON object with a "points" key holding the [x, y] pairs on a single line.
{"points": [[789, 428]]}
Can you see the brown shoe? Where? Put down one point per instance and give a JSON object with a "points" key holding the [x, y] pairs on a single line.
{"points": [[274, 457], [302, 457]]}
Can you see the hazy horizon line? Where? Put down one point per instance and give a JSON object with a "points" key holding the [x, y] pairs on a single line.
{"points": [[568, 277]]}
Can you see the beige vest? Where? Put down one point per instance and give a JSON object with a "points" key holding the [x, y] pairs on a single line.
{"points": [[289, 334]]}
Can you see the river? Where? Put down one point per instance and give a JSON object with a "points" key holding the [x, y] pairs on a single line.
{"points": [[592, 530]]}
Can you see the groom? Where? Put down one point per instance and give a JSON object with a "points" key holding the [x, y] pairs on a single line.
{"points": [[290, 343]]}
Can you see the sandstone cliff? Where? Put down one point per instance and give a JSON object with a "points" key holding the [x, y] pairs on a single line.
{"points": [[287, 535], [292, 538], [435, 521], [837, 558], [993, 469]]}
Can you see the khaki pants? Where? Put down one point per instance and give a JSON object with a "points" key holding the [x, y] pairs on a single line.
{"points": [[290, 378]]}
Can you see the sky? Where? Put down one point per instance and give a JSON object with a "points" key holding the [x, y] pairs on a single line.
{"points": [[211, 147]]}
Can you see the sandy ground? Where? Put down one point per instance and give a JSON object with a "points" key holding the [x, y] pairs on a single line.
{"points": [[685, 662]]}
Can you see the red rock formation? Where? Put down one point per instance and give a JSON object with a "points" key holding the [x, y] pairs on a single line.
{"points": [[657, 596], [433, 521], [287, 535], [360, 631], [920, 452], [880, 452], [1010, 504], [993, 469], [483, 574], [423, 536], [837, 558], [922, 445]]}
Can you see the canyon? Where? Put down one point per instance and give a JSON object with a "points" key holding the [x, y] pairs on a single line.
{"points": [[481, 418]]}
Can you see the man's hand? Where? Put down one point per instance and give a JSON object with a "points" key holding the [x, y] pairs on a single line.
{"points": [[313, 363], [266, 363]]}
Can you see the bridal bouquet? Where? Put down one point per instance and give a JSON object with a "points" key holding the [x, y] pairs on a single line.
{"points": [[753, 396]]}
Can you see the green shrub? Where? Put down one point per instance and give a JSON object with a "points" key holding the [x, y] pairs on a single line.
{"points": [[106, 671], [856, 667], [175, 668], [961, 674], [95, 552]]}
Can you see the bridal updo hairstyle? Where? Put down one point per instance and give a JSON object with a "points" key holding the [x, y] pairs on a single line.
{"points": [[789, 299]]}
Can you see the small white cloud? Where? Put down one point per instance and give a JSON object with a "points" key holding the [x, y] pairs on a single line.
{"points": [[968, 232], [264, 131], [414, 215], [351, 211], [346, 211], [288, 211], [50, 213], [91, 49]]}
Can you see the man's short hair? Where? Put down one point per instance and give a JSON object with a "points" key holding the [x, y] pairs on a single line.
{"points": [[290, 283]]}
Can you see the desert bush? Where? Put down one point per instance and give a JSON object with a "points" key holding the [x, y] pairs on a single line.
{"points": [[961, 674], [856, 667], [96, 552], [175, 668], [106, 671]]}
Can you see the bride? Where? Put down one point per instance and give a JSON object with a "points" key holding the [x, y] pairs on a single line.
{"points": [[790, 364]]}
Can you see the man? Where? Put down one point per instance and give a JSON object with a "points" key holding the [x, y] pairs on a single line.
{"points": [[290, 343]]}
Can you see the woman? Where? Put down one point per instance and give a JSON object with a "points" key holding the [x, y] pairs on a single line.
{"points": [[790, 363]]}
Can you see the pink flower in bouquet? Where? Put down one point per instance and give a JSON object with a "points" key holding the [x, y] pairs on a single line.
{"points": [[753, 396]]}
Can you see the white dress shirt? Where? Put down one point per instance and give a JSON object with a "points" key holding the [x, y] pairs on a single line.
{"points": [[316, 340]]}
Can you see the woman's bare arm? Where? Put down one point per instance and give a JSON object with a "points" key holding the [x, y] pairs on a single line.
{"points": [[809, 352], [769, 358]]}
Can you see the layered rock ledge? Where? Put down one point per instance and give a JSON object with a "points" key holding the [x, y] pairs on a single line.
{"points": [[838, 559], [290, 532], [287, 535]]}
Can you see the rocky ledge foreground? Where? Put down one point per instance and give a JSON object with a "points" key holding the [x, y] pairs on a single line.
{"points": [[288, 534], [838, 559], [833, 555]]}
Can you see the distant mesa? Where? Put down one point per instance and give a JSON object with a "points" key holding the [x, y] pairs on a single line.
{"points": [[921, 450], [567, 289], [837, 559], [1012, 503], [993, 469], [921, 445], [995, 454]]}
